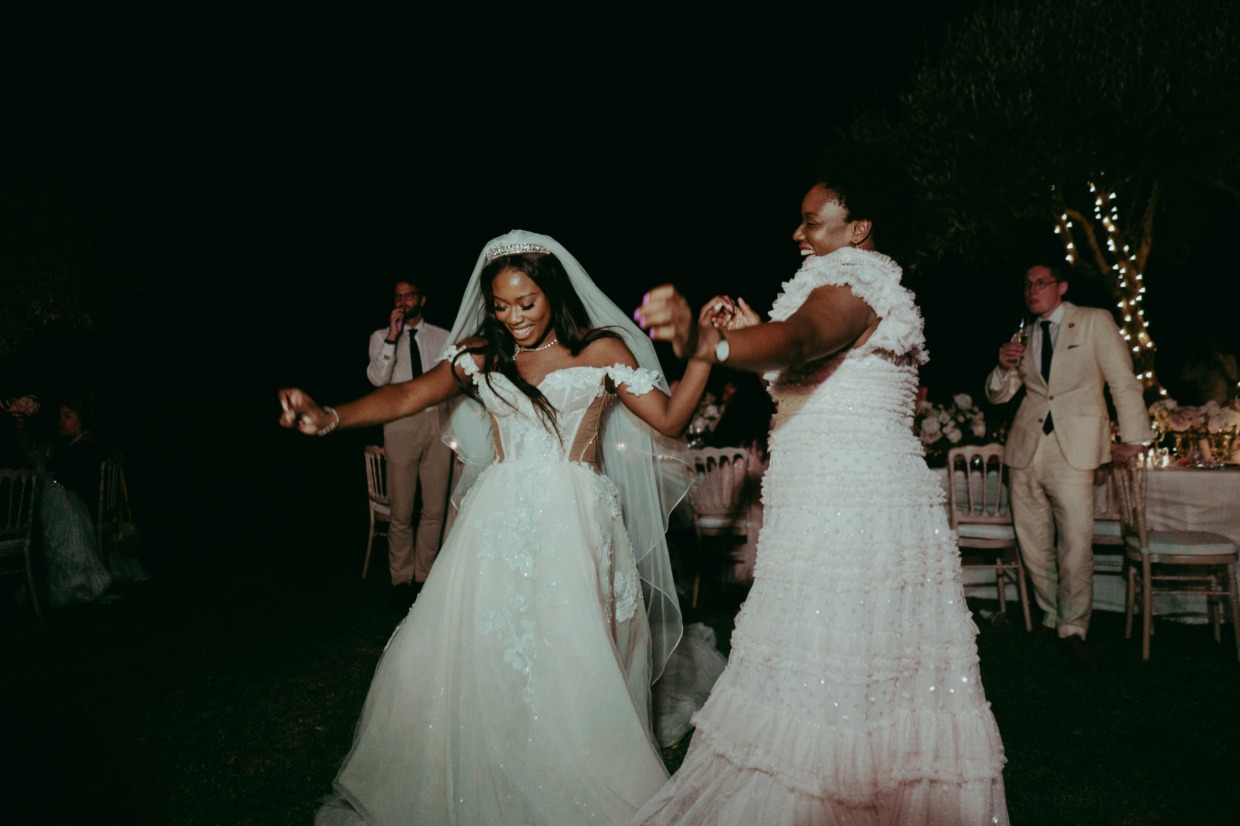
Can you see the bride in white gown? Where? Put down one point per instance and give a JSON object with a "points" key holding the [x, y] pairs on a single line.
{"points": [[852, 695], [517, 690]]}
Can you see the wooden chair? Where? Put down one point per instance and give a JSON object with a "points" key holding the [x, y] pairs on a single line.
{"points": [[17, 504], [112, 503], [718, 498], [1171, 562], [376, 492], [982, 520]]}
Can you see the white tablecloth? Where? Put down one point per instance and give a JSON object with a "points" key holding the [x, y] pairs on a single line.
{"points": [[1178, 499], [1185, 499]]}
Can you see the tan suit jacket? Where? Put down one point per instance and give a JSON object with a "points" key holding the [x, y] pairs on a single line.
{"points": [[1089, 355]]}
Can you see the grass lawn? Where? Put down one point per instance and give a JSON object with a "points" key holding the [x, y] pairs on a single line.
{"points": [[225, 691]]}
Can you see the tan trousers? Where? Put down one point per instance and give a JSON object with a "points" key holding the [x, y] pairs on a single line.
{"points": [[1051, 496], [416, 457]]}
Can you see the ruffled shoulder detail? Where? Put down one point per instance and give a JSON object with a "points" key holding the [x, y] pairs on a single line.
{"points": [[875, 279], [453, 352], [640, 380]]}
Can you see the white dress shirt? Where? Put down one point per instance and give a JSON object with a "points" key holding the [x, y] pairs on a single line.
{"points": [[390, 363]]}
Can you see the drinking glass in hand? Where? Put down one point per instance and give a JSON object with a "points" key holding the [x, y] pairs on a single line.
{"points": [[1021, 336]]}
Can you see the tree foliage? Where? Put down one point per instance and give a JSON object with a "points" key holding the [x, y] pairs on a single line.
{"points": [[43, 282], [1024, 97], [1029, 103]]}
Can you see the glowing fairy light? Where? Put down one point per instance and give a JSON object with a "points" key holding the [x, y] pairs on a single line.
{"points": [[1112, 251]]}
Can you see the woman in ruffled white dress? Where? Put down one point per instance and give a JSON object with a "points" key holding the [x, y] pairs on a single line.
{"points": [[517, 690], [852, 693]]}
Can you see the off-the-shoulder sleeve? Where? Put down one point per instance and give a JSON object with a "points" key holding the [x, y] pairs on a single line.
{"points": [[875, 279], [452, 353], [638, 381]]}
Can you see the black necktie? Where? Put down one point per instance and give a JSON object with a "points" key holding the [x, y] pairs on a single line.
{"points": [[1048, 350], [415, 355]]}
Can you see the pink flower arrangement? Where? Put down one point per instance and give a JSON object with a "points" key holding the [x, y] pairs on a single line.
{"points": [[21, 407], [940, 427], [1211, 417]]}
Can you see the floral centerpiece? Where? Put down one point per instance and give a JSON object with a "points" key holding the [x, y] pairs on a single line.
{"points": [[21, 407], [1203, 436], [942, 427], [705, 417]]}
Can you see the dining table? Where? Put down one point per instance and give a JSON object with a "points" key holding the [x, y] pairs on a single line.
{"points": [[1181, 499], [1177, 498]]}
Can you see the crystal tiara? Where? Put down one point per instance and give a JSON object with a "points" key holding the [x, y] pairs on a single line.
{"points": [[513, 249]]}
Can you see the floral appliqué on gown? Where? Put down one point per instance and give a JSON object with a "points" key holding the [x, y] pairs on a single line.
{"points": [[852, 694], [517, 690]]}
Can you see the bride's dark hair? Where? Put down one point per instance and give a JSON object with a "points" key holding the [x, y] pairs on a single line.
{"points": [[569, 319]]}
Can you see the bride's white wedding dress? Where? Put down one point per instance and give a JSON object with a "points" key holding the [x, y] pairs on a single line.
{"points": [[852, 693], [517, 690]]}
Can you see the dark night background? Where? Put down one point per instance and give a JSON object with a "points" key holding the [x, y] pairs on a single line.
{"points": [[232, 190], [236, 187]]}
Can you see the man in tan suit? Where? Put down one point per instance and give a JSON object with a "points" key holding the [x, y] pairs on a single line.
{"points": [[419, 464], [1060, 435]]}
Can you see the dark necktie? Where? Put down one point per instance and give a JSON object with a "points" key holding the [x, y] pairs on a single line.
{"points": [[1048, 350], [415, 355]]}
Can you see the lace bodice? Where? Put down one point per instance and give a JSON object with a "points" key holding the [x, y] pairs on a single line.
{"points": [[579, 398]]}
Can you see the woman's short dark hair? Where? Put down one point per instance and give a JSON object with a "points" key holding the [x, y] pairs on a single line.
{"points": [[871, 185]]}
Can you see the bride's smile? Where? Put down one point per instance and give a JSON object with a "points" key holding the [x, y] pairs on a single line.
{"points": [[521, 306]]}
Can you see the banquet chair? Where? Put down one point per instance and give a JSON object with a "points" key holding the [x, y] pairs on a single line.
{"points": [[376, 492], [980, 516], [718, 498], [111, 502], [17, 504], [1171, 562], [1107, 528]]}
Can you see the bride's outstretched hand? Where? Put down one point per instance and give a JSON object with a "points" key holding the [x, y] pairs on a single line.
{"points": [[300, 411]]}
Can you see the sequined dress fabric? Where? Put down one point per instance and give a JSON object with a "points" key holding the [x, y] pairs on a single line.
{"points": [[517, 689], [852, 693]]}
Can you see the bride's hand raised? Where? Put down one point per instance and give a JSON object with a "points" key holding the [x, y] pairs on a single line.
{"points": [[301, 411]]}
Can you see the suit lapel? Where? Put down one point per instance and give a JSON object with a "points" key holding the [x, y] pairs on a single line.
{"points": [[1069, 336]]}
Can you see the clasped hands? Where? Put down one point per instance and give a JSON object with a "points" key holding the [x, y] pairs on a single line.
{"points": [[666, 315]]}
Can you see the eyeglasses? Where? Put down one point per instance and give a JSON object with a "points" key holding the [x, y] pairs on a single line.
{"points": [[1034, 286]]}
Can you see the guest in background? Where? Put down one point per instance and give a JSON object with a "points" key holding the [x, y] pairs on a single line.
{"points": [[68, 505], [76, 458], [1060, 434], [416, 455]]}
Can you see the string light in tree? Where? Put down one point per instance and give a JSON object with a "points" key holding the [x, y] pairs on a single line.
{"points": [[1104, 240]]}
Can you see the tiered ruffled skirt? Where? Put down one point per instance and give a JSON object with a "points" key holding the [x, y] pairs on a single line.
{"points": [[852, 695]]}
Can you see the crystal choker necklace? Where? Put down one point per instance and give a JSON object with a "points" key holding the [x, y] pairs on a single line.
{"points": [[521, 349]]}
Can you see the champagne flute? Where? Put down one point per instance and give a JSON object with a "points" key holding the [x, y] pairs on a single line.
{"points": [[1021, 336]]}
